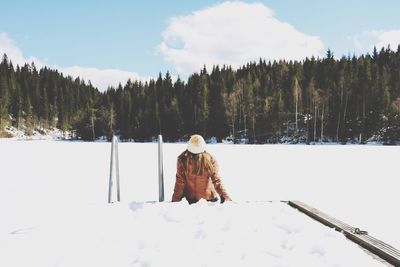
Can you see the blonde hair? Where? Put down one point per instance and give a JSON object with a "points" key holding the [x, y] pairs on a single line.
{"points": [[199, 164]]}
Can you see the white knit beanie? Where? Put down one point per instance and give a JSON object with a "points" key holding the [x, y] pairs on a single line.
{"points": [[196, 144]]}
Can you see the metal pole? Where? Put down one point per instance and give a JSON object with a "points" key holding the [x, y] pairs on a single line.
{"points": [[110, 183], [117, 167], [94, 136], [160, 170]]}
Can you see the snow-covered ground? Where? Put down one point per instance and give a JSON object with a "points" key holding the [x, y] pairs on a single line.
{"points": [[37, 134], [54, 211]]}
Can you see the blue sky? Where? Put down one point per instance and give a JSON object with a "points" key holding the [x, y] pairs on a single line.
{"points": [[108, 41]]}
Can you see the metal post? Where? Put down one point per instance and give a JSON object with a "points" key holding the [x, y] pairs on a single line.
{"points": [[160, 170], [110, 183], [117, 167], [114, 153]]}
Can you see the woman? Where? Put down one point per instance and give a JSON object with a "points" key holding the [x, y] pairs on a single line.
{"points": [[197, 174]]}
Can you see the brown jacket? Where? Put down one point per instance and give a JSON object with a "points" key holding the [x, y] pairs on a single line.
{"points": [[195, 187]]}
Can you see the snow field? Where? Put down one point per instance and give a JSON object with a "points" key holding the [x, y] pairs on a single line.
{"points": [[247, 234], [53, 206]]}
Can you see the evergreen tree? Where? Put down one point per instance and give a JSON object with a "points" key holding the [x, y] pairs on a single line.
{"points": [[351, 99]]}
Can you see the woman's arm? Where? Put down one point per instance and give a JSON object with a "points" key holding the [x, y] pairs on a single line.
{"points": [[180, 183], [216, 180]]}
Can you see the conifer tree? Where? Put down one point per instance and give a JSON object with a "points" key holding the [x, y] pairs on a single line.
{"points": [[350, 99]]}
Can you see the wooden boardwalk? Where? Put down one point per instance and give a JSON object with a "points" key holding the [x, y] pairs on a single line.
{"points": [[377, 247]]}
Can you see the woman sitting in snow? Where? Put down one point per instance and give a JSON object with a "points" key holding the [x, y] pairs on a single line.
{"points": [[197, 175]]}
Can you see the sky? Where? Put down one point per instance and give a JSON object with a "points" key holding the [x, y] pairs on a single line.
{"points": [[108, 42]]}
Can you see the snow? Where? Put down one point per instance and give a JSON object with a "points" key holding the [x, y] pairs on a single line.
{"points": [[37, 134], [54, 211]]}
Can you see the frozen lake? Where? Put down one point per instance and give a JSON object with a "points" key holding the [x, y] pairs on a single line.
{"points": [[356, 184]]}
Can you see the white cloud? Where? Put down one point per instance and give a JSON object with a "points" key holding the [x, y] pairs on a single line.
{"points": [[100, 78], [232, 33], [8, 47], [384, 38]]}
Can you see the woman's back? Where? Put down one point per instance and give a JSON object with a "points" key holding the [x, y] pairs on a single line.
{"points": [[197, 174]]}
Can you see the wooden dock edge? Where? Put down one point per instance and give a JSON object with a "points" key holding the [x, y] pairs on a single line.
{"points": [[375, 246]]}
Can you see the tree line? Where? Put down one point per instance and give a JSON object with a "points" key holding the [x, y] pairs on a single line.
{"points": [[351, 99]]}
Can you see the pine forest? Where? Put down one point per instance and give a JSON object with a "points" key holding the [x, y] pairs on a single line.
{"points": [[347, 100]]}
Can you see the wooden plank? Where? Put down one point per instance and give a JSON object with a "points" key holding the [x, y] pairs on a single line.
{"points": [[375, 246]]}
